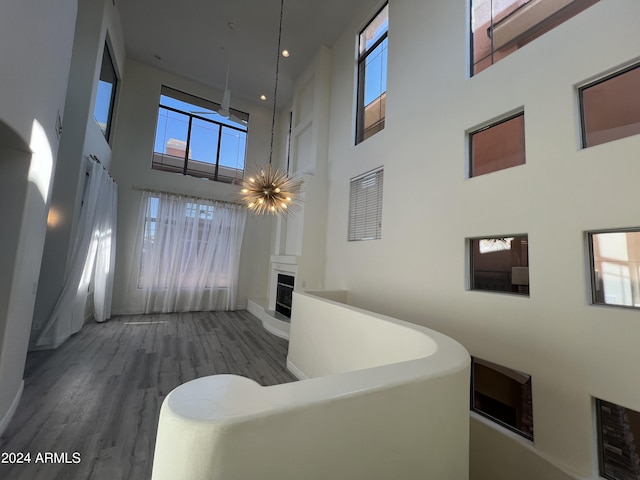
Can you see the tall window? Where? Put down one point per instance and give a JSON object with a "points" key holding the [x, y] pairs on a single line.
{"points": [[618, 441], [615, 268], [106, 94], [190, 253], [610, 107], [497, 146], [500, 27], [365, 206], [372, 76], [500, 264], [193, 139], [502, 395]]}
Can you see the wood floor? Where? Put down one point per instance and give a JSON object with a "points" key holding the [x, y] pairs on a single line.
{"points": [[100, 393]]}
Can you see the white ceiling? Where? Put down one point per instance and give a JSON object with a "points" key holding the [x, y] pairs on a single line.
{"points": [[193, 39]]}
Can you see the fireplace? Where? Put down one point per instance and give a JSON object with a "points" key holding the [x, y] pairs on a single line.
{"points": [[284, 294]]}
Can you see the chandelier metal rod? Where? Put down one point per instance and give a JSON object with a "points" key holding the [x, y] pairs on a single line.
{"points": [[275, 90]]}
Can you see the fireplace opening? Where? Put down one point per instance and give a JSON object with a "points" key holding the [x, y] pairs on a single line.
{"points": [[284, 294]]}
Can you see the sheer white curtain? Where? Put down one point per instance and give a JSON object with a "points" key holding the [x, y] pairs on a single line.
{"points": [[190, 253], [93, 260]]}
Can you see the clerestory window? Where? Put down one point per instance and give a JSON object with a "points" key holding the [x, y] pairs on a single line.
{"points": [[192, 138], [106, 94], [372, 76], [500, 27]]}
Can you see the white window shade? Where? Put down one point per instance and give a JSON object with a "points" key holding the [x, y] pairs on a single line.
{"points": [[365, 206]]}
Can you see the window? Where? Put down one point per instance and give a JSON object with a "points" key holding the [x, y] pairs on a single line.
{"points": [[497, 146], [372, 76], [500, 264], [188, 242], [502, 395], [365, 206], [500, 27], [615, 268], [106, 94], [610, 107], [618, 441], [193, 139]]}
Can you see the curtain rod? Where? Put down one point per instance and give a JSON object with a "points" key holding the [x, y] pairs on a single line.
{"points": [[97, 160], [151, 190]]}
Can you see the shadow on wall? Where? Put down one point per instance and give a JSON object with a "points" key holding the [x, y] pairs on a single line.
{"points": [[15, 158], [25, 180]]}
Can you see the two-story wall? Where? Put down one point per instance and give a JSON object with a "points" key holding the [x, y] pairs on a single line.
{"points": [[419, 270]]}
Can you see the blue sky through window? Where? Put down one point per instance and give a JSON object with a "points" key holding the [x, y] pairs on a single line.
{"points": [[173, 127], [103, 104], [376, 73]]}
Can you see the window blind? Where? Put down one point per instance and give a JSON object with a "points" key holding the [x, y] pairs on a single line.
{"points": [[365, 206]]}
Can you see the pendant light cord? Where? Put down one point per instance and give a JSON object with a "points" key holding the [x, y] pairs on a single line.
{"points": [[275, 91]]}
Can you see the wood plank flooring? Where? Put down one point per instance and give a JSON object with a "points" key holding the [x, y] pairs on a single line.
{"points": [[99, 394]]}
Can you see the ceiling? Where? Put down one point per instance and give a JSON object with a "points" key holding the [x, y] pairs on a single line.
{"points": [[193, 38]]}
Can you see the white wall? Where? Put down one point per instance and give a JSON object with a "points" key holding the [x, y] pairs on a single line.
{"points": [[97, 21], [359, 415], [418, 270], [35, 50], [131, 167]]}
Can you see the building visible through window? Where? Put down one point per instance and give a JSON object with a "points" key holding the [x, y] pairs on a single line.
{"points": [[106, 93], [497, 146], [193, 139], [372, 76], [610, 107], [618, 441], [500, 27], [615, 268]]}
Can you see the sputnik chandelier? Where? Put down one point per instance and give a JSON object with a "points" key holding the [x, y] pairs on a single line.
{"points": [[272, 191]]}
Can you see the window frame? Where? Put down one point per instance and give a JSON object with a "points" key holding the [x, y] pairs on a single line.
{"points": [[355, 210], [361, 77], [184, 97], [106, 55], [599, 434], [488, 416], [582, 88], [591, 267], [501, 120], [471, 256], [526, 36]]}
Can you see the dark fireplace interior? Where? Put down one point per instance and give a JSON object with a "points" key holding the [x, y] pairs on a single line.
{"points": [[284, 294]]}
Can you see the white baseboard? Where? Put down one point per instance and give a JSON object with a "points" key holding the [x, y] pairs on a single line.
{"points": [[270, 323], [295, 371], [4, 423]]}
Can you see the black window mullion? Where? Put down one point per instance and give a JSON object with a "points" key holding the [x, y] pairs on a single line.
{"points": [[213, 155], [215, 174], [186, 152], [367, 52], [360, 111]]}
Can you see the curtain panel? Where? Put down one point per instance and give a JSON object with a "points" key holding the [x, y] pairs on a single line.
{"points": [[92, 262], [190, 253]]}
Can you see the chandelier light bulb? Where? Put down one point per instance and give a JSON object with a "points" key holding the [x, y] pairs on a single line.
{"points": [[273, 192]]}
